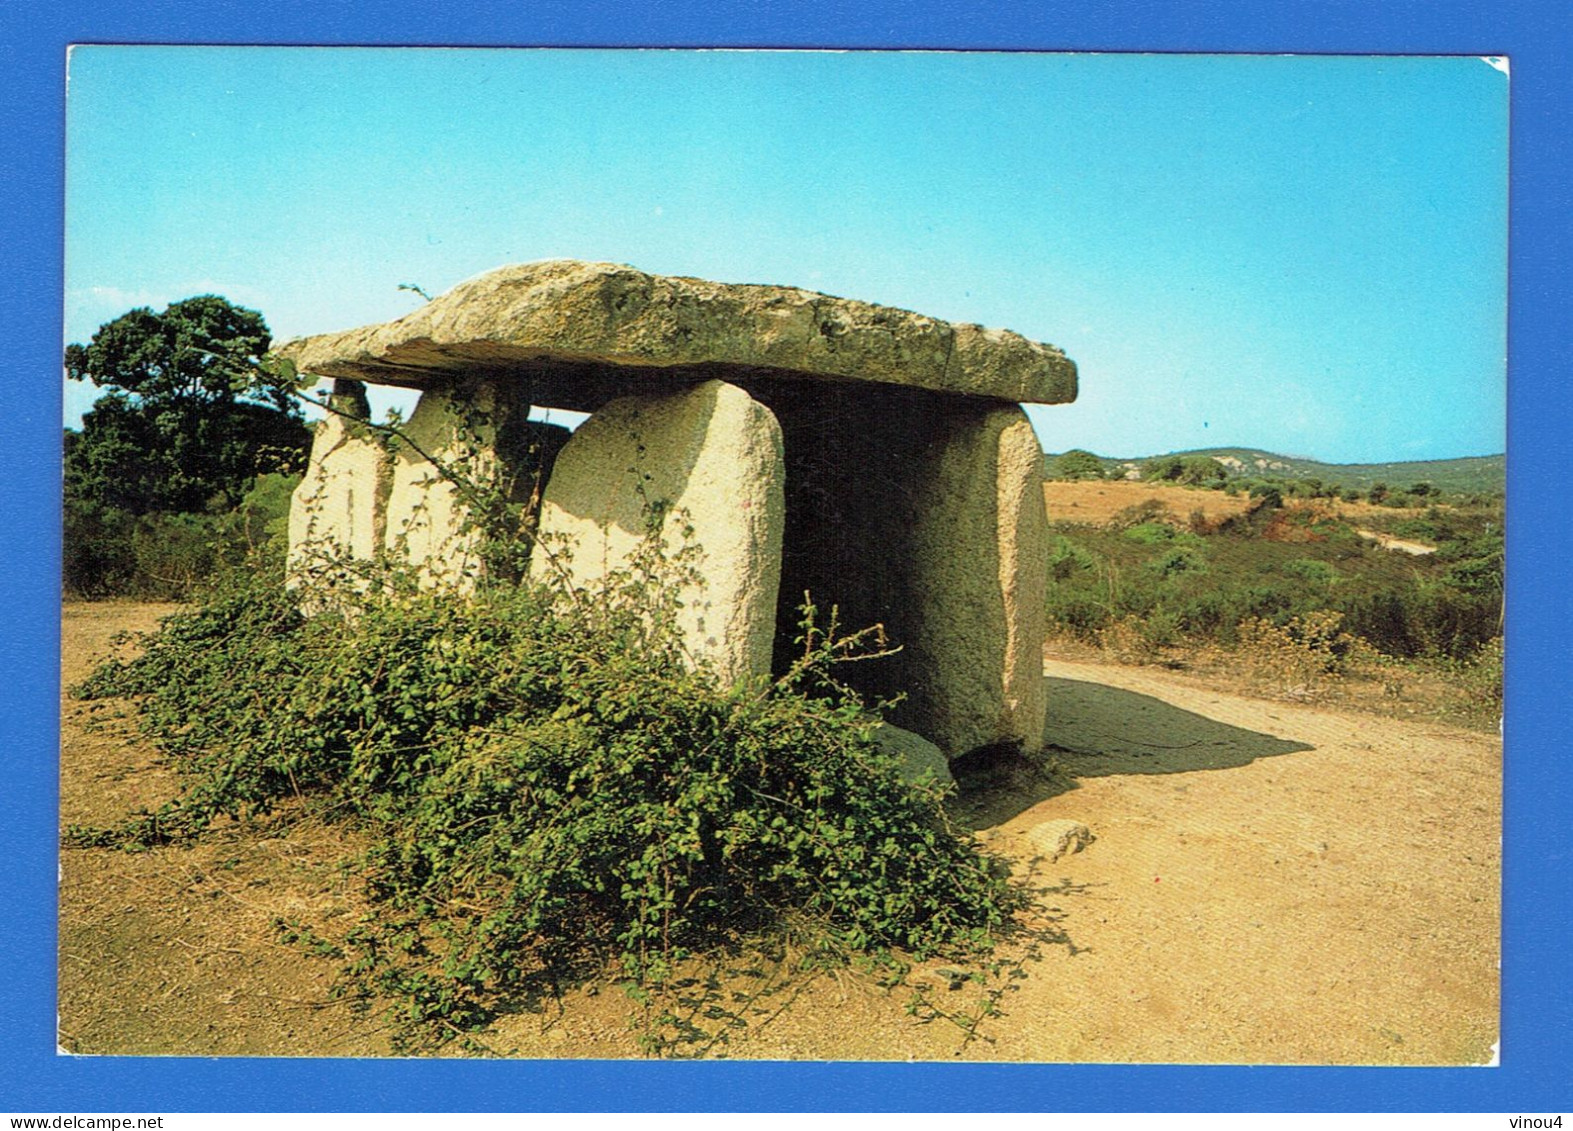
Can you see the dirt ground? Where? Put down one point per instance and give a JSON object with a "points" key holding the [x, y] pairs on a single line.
{"points": [[1402, 545], [1270, 883]]}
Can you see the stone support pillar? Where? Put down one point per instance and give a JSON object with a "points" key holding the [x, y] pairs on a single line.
{"points": [[705, 466], [465, 442], [337, 511], [922, 514]]}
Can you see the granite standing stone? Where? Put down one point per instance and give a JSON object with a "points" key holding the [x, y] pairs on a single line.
{"points": [[705, 465], [337, 510]]}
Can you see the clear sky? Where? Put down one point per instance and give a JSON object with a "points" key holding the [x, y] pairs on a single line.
{"points": [[1304, 254]]}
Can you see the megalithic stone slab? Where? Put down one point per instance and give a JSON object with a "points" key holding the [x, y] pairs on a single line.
{"points": [[337, 510], [978, 576], [708, 459], [1023, 564], [919, 513], [429, 522], [582, 333], [471, 436]]}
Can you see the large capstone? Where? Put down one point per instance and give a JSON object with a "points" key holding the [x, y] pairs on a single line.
{"points": [[701, 470], [584, 333], [336, 513]]}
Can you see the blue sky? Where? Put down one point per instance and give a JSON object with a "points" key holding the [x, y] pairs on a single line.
{"points": [[1306, 254]]}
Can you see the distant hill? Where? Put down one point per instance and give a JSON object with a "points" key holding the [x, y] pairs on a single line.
{"points": [[1467, 475]]}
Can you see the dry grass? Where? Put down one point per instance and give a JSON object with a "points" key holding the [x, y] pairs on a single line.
{"points": [[1096, 502]]}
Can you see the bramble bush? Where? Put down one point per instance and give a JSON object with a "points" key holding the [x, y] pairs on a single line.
{"points": [[553, 790]]}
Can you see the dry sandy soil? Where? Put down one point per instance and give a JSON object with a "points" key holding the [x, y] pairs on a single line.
{"points": [[1270, 883]]}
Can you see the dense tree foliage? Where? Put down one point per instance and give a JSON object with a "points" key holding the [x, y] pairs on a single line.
{"points": [[185, 425], [1077, 464], [185, 428], [1191, 470]]}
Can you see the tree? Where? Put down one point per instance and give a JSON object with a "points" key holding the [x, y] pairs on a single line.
{"points": [[1078, 464], [1271, 498], [203, 348], [1195, 471], [188, 421], [1202, 471], [1163, 468]]}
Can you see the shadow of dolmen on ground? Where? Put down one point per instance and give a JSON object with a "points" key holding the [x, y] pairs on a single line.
{"points": [[1106, 730], [1093, 730]]}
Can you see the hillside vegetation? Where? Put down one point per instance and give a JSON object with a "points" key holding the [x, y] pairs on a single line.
{"points": [[1301, 593], [1471, 475]]}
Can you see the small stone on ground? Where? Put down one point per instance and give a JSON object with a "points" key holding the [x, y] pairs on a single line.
{"points": [[1054, 839]]}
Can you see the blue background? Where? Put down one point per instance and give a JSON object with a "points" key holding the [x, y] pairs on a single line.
{"points": [[1536, 1020]]}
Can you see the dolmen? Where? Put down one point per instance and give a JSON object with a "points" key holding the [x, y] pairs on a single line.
{"points": [[875, 460]]}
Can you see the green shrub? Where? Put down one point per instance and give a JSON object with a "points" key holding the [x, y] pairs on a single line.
{"points": [[1179, 560], [1150, 533], [1066, 559], [1080, 615], [175, 551], [1476, 563], [1137, 514], [1270, 497], [166, 555], [1481, 677], [1434, 525], [1160, 533], [1138, 595], [550, 789], [1424, 618], [1192, 470], [1077, 464], [98, 558], [1311, 569], [1161, 629], [1163, 469]]}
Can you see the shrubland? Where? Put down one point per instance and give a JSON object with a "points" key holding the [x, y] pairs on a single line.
{"points": [[110, 552], [1292, 592]]}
